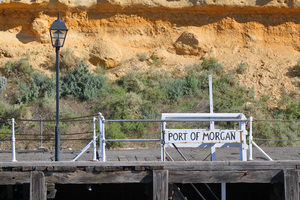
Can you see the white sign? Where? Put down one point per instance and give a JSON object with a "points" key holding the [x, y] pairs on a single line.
{"points": [[202, 136]]}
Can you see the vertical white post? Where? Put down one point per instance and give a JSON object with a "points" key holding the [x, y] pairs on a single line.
{"points": [[13, 139], [211, 104], [100, 135], [243, 145], [103, 140], [162, 142], [212, 123], [212, 126], [94, 140], [250, 139]]}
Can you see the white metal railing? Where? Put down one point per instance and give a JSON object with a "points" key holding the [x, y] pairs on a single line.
{"points": [[206, 117], [251, 143], [93, 142], [13, 136]]}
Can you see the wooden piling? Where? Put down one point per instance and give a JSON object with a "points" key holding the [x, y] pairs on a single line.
{"points": [[38, 190], [291, 184], [160, 184]]}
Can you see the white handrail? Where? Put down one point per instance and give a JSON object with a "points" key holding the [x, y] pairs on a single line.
{"points": [[94, 140], [13, 141], [102, 136], [250, 139]]}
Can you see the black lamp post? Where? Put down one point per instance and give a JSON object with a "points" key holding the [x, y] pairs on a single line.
{"points": [[58, 33]]}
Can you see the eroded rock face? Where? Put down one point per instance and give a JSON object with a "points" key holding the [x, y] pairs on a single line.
{"points": [[105, 53], [164, 3], [189, 44], [41, 28], [174, 33]]}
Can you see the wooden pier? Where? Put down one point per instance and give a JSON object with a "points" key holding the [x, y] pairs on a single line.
{"points": [[43, 176]]}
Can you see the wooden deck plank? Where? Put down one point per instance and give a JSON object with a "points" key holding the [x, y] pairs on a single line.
{"points": [[123, 158], [205, 165]]}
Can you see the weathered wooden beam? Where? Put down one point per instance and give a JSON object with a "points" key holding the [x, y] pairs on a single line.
{"points": [[291, 185], [160, 184], [38, 190], [145, 176], [83, 177], [257, 176], [11, 178]]}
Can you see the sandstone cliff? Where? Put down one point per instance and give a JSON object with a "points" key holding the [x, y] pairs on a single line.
{"points": [[115, 33]]}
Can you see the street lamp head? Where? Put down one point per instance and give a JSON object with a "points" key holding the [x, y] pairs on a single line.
{"points": [[58, 32]]}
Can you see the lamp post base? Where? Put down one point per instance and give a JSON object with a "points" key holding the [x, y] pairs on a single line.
{"points": [[57, 143]]}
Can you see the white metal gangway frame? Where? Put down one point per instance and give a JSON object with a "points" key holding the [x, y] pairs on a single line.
{"points": [[234, 117], [208, 117]]}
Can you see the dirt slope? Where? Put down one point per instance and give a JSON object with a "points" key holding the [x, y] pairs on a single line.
{"points": [[116, 33]]}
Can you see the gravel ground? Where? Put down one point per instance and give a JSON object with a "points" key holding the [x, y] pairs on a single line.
{"points": [[191, 154]]}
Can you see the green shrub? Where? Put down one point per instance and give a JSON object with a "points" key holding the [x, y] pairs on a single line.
{"points": [[3, 82], [9, 68], [191, 85], [155, 61], [5, 130], [155, 94], [289, 109], [38, 86], [47, 85], [113, 131], [175, 88], [29, 92], [213, 66], [77, 82], [81, 83], [297, 68], [142, 57], [242, 68], [18, 68], [130, 82]]}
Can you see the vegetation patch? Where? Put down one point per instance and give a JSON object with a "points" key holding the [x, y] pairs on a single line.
{"points": [[145, 95]]}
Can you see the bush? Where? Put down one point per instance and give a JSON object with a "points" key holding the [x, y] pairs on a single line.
{"points": [[3, 82], [242, 68], [46, 84], [297, 68], [131, 83], [81, 83], [142, 57], [175, 88], [191, 85], [18, 68], [113, 131], [29, 92], [39, 86], [78, 82], [213, 66]]}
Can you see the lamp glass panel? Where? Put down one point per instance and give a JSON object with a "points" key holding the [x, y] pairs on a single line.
{"points": [[58, 37]]}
